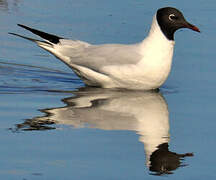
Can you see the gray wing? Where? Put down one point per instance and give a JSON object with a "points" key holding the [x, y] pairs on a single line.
{"points": [[97, 57]]}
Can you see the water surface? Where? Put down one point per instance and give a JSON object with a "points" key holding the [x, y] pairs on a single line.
{"points": [[52, 127]]}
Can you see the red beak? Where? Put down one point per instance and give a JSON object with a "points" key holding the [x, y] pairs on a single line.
{"points": [[191, 26]]}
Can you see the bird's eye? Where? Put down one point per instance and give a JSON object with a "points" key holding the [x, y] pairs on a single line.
{"points": [[172, 17]]}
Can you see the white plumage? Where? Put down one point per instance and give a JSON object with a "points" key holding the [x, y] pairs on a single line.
{"points": [[142, 66]]}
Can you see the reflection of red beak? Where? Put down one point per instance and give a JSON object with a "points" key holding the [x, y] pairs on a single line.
{"points": [[191, 26]]}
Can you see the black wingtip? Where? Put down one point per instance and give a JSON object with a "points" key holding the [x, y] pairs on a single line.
{"points": [[31, 39], [11, 33], [50, 37], [21, 25]]}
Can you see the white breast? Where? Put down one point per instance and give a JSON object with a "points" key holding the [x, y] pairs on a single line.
{"points": [[152, 69]]}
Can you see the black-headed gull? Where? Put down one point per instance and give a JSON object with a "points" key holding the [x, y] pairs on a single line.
{"points": [[144, 65]]}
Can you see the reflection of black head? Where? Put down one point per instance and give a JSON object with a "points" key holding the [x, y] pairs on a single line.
{"points": [[162, 161]]}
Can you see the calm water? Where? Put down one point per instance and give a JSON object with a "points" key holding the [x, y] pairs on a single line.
{"points": [[52, 127]]}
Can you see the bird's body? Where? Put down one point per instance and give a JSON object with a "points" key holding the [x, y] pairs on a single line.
{"points": [[142, 66], [137, 66]]}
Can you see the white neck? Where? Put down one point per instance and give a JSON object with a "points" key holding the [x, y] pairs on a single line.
{"points": [[156, 35], [157, 52]]}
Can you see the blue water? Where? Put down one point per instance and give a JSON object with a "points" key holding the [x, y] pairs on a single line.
{"points": [[52, 127]]}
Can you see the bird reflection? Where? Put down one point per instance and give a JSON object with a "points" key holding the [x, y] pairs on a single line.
{"points": [[143, 112], [163, 161]]}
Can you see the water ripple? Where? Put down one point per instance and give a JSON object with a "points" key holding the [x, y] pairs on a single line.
{"points": [[20, 78]]}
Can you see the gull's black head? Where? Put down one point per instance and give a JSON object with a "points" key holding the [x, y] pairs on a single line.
{"points": [[171, 19]]}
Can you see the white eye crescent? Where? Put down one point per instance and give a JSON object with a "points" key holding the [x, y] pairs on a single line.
{"points": [[171, 17]]}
